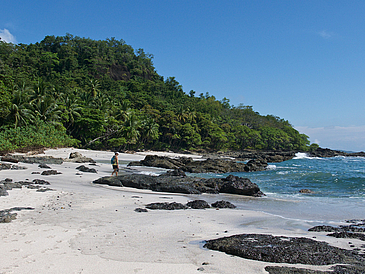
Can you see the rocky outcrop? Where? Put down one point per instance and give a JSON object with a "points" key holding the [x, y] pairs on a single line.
{"points": [[184, 184], [214, 166], [86, 169], [206, 166], [326, 152], [353, 226], [291, 250], [8, 184], [267, 156], [33, 159], [76, 157], [5, 166], [162, 162]]}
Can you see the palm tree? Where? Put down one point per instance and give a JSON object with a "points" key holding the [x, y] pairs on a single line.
{"points": [[47, 110], [131, 129], [19, 109], [95, 87], [71, 109], [149, 130]]}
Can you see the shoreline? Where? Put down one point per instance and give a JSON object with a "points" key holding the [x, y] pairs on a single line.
{"points": [[85, 228]]}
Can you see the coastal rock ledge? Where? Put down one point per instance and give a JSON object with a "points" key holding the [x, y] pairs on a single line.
{"points": [[210, 165], [178, 182]]}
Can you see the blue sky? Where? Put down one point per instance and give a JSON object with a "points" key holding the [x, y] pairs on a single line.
{"points": [[303, 61]]}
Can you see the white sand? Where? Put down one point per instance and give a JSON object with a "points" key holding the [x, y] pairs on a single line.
{"points": [[85, 228]]}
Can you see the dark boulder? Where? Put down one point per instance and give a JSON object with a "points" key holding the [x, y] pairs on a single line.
{"points": [[7, 215], [86, 169], [3, 190], [223, 204], [166, 206], [198, 204], [109, 180], [43, 166], [214, 166], [256, 165], [162, 162], [306, 191], [5, 166], [323, 228], [36, 159], [354, 226], [77, 157], [9, 159], [326, 152], [140, 210], [187, 185], [40, 182], [281, 249], [350, 235], [175, 172], [241, 186], [211, 165], [50, 172]]}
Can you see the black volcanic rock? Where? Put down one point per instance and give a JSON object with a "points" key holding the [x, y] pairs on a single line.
{"points": [[281, 249], [223, 204], [50, 172], [184, 184], [162, 162], [198, 204], [201, 166], [35, 159], [86, 169], [326, 152], [77, 157], [166, 206]]}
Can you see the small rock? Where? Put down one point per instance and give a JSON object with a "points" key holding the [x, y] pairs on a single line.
{"points": [[141, 210], [50, 172]]}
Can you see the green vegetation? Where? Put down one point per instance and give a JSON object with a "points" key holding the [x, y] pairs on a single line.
{"points": [[69, 90]]}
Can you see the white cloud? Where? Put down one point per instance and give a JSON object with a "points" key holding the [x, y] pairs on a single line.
{"points": [[6, 36], [325, 34], [351, 138]]}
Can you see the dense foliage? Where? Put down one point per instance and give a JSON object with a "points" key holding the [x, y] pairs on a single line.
{"points": [[105, 94]]}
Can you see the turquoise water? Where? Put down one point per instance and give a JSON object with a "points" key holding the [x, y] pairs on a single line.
{"points": [[338, 186]]}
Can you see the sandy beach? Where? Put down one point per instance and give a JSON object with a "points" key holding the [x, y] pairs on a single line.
{"points": [[80, 227]]}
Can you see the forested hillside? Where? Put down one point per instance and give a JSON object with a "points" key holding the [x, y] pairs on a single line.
{"points": [[72, 91]]}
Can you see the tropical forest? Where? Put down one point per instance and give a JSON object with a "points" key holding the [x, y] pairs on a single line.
{"points": [[103, 94]]}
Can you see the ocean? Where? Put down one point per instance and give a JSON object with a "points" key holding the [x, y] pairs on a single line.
{"points": [[338, 186]]}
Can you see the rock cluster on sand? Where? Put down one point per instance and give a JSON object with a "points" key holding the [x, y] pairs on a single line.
{"points": [[206, 166], [291, 250], [7, 215], [74, 157], [32, 159], [196, 204], [355, 230], [4, 166], [8, 184], [181, 183]]}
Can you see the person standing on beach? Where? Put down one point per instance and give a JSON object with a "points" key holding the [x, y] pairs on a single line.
{"points": [[115, 164]]}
